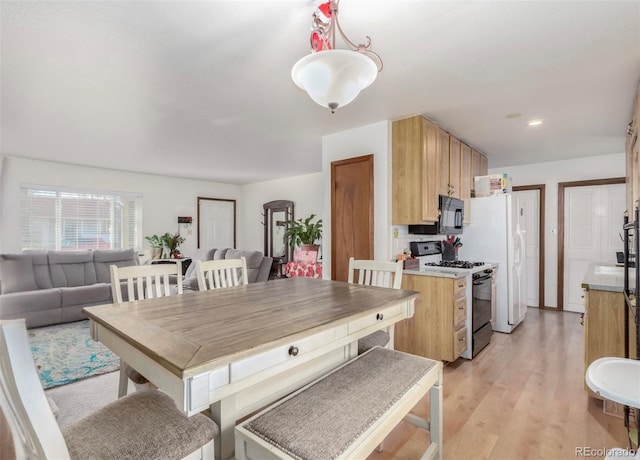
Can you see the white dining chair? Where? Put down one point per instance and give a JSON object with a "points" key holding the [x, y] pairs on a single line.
{"points": [[222, 273], [381, 274], [146, 424], [142, 282]]}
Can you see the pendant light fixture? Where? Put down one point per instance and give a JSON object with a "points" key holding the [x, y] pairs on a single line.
{"points": [[334, 77]]}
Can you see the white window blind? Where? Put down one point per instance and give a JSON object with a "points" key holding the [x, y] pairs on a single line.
{"points": [[64, 219]]}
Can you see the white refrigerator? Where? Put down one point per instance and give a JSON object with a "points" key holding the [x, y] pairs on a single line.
{"points": [[496, 234]]}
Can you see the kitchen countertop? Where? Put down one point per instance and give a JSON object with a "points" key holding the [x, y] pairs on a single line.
{"points": [[606, 277], [442, 272]]}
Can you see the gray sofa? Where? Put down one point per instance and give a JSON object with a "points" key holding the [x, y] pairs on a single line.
{"points": [[53, 287], [258, 266]]}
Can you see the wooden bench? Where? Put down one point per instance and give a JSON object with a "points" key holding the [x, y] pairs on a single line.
{"points": [[348, 412]]}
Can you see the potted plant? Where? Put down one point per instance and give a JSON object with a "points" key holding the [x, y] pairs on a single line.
{"points": [[171, 242], [304, 233], [156, 244]]}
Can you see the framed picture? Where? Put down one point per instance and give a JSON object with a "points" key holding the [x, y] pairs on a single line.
{"points": [[307, 257]]}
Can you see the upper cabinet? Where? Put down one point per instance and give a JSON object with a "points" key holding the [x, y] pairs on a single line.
{"points": [[466, 179], [427, 161], [415, 157]]}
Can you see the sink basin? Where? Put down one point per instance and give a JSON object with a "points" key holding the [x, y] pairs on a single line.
{"points": [[608, 270]]}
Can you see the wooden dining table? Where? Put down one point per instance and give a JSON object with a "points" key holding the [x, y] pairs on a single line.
{"points": [[238, 349]]}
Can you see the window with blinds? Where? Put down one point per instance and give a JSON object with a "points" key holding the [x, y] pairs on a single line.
{"points": [[63, 219]]}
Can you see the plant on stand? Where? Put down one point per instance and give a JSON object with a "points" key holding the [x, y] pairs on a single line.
{"points": [[171, 242], [156, 244], [304, 233]]}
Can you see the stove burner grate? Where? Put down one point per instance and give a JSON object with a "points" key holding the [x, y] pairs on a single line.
{"points": [[455, 264]]}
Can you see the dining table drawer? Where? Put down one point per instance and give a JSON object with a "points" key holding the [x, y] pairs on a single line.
{"points": [[290, 352], [381, 317]]}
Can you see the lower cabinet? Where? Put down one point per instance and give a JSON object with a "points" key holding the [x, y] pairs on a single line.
{"points": [[603, 326], [437, 329]]}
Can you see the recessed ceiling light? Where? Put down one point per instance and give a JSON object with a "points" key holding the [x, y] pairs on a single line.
{"points": [[511, 116], [535, 122]]}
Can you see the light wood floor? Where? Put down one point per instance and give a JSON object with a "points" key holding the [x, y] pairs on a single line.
{"points": [[522, 397]]}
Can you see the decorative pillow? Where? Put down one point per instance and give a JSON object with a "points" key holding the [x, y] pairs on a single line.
{"points": [[17, 274]]}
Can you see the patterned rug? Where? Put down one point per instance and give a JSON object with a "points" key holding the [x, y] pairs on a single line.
{"points": [[66, 353]]}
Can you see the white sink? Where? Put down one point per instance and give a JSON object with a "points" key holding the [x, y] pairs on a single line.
{"points": [[608, 270]]}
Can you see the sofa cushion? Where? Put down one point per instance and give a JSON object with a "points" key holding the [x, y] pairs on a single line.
{"points": [[102, 258], [71, 268], [254, 259], [220, 254], [16, 273], [198, 254], [41, 269], [93, 294], [30, 301]]}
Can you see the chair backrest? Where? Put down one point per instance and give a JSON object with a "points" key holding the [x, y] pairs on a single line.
{"points": [[35, 432], [215, 274], [145, 281], [376, 273]]}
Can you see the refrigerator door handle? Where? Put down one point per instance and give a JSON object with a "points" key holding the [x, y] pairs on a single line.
{"points": [[520, 252]]}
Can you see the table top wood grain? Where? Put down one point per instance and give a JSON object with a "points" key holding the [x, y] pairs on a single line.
{"points": [[199, 331]]}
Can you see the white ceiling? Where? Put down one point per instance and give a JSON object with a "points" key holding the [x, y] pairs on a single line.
{"points": [[203, 90]]}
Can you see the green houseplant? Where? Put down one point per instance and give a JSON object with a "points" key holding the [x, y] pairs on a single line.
{"points": [[156, 244], [304, 232], [171, 242]]}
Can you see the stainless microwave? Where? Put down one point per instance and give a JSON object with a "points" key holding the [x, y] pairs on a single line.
{"points": [[451, 217]]}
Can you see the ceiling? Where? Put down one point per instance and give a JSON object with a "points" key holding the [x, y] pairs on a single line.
{"points": [[203, 89]]}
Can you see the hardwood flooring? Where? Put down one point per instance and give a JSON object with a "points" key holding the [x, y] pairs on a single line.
{"points": [[522, 397]]}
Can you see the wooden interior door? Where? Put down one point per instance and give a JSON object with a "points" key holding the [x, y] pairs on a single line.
{"points": [[351, 213]]}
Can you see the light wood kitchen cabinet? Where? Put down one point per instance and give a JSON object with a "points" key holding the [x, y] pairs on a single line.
{"points": [[449, 164], [479, 167], [437, 329], [415, 168], [465, 180], [603, 326]]}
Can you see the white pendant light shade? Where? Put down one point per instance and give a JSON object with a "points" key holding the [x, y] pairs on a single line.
{"points": [[333, 78]]}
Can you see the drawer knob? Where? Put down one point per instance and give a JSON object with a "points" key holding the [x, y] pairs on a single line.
{"points": [[462, 338], [379, 316], [293, 351]]}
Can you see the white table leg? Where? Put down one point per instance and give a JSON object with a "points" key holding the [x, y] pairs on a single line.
{"points": [[436, 407], [223, 413]]}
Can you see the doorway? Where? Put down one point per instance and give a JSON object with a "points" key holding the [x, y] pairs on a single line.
{"points": [[351, 213], [590, 217], [532, 199], [216, 223]]}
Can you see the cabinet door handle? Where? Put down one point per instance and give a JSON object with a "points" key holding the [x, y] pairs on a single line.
{"points": [[462, 338], [293, 350], [461, 307], [379, 316]]}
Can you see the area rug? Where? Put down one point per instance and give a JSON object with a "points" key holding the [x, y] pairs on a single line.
{"points": [[66, 352]]}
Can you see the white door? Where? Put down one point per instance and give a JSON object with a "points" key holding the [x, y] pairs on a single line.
{"points": [[530, 202], [216, 227], [593, 223]]}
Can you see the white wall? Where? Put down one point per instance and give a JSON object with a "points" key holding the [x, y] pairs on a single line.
{"points": [[305, 191], [164, 198], [550, 174], [370, 139]]}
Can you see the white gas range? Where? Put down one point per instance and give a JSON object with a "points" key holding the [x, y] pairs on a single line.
{"points": [[479, 291]]}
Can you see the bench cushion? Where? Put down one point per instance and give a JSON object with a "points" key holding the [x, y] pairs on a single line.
{"points": [[322, 421], [375, 339]]}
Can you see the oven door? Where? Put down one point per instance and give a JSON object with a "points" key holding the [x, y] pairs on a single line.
{"points": [[481, 301]]}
